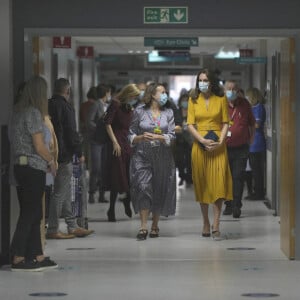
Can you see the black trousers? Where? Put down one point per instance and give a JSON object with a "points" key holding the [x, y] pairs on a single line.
{"points": [[257, 164], [183, 153], [237, 157], [27, 237]]}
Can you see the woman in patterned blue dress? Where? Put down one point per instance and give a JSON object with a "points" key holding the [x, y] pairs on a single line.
{"points": [[152, 168]]}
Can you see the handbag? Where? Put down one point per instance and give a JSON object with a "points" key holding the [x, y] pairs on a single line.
{"points": [[211, 135]]}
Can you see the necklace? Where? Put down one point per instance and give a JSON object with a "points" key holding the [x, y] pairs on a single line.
{"points": [[156, 120]]}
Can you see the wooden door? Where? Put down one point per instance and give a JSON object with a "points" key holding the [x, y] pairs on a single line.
{"points": [[287, 148]]}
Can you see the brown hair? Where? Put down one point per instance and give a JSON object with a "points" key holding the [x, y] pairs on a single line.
{"points": [[214, 84], [34, 94]]}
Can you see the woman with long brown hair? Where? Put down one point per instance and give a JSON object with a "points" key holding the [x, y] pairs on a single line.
{"points": [[208, 123]]}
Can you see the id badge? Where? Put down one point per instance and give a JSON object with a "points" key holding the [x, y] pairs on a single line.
{"points": [[23, 160], [229, 133]]}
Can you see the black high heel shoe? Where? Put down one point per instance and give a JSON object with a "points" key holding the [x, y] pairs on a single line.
{"points": [[154, 233], [142, 235], [216, 234], [206, 233], [111, 216], [127, 207]]}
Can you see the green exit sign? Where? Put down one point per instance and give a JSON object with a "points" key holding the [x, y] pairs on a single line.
{"points": [[166, 15]]}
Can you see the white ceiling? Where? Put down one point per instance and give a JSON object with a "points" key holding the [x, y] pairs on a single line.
{"points": [[124, 44]]}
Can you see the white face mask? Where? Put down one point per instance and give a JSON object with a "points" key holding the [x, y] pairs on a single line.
{"points": [[203, 86]]}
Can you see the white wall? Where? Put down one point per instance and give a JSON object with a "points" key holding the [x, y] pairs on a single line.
{"points": [[5, 60], [5, 76]]}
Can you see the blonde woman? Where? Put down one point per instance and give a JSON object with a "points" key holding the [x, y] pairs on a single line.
{"points": [[117, 120], [257, 150]]}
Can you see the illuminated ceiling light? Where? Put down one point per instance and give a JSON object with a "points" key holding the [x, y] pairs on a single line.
{"points": [[227, 54], [130, 51], [138, 51], [154, 53]]}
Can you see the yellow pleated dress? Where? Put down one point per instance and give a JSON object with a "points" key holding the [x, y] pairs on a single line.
{"points": [[210, 170]]}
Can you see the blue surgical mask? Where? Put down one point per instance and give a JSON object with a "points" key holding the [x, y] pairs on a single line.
{"points": [[132, 102], [203, 86], [141, 95], [184, 104], [231, 95], [163, 99]]}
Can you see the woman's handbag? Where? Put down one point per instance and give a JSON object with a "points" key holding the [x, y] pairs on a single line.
{"points": [[211, 135]]}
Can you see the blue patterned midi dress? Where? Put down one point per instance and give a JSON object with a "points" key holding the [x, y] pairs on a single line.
{"points": [[152, 168]]}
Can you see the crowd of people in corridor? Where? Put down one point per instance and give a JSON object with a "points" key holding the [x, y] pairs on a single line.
{"points": [[208, 136]]}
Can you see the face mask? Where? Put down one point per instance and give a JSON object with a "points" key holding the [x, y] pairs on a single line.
{"points": [[132, 102], [203, 86], [184, 104], [231, 95], [163, 99], [108, 99], [141, 94]]}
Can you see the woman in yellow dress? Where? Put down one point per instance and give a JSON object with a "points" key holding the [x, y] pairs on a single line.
{"points": [[208, 123]]}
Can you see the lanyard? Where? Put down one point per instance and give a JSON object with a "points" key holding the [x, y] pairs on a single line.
{"points": [[233, 114], [155, 120]]}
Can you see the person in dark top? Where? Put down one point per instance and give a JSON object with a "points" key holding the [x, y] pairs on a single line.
{"points": [[239, 136], [183, 144], [94, 114], [83, 113], [69, 143]]}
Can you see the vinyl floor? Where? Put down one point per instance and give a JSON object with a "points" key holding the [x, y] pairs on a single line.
{"points": [[111, 265]]}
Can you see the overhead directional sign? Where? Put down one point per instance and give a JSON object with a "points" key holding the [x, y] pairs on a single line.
{"points": [[252, 60], [170, 42], [166, 15]]}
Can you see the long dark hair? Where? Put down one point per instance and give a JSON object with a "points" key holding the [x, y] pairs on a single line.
{"points": [[214, 81], [150, 92]]}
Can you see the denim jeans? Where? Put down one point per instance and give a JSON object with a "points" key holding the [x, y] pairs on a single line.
{"points": [[26, 241], [237, 157]]}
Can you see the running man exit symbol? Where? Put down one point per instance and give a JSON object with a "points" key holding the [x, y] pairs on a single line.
{"points": [[166, 15]]}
